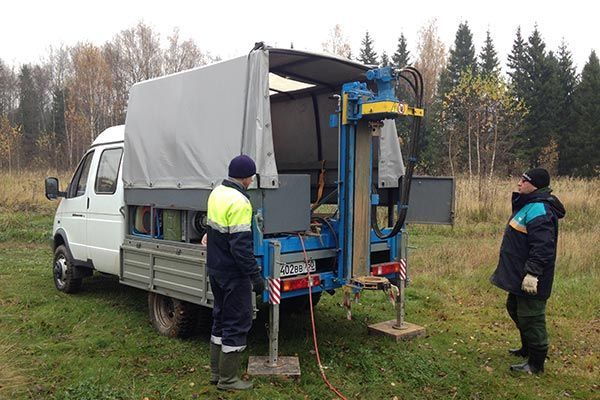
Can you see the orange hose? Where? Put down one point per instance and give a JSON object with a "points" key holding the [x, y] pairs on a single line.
{"points": [[314, 330]]}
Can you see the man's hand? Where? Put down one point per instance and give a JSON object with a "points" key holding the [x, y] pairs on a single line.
{"points": [[258, 284], [529, 284]]}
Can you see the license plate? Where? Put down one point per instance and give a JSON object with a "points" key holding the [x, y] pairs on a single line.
{"points": [[297, 268]]}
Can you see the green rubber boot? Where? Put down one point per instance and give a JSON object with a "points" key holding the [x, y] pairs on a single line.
{"points": [[215, 356], [229, 365]]}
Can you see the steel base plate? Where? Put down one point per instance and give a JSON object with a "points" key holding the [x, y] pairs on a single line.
{"points": [[286, 366], [406, 332]]}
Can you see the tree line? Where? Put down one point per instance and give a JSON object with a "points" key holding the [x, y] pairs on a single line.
{"points": [[482, 118], [51, 112]]}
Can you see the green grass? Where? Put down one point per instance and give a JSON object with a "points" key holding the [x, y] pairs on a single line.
{"points": [[98, 344]]}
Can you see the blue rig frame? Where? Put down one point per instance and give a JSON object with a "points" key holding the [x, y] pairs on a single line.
{"points": [[356, 94]]}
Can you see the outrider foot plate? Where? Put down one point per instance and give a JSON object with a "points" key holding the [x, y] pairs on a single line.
{"points": [[406, 332], [286, 366]]}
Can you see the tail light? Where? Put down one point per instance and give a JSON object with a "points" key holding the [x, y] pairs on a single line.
{"points": [[385, 268], [290, 284]]}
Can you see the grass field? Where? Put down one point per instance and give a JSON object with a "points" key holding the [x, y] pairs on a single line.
{"points": [[98, 344]]}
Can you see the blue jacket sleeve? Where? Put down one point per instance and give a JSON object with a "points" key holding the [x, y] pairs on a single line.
{"points": [[242, 250], [541, 240]]}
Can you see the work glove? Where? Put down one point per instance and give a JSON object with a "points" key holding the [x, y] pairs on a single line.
{"points": [[258, 284], [529, 285]]}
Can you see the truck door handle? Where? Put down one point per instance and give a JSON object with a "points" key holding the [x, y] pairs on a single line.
{"points": [[78, 215]]}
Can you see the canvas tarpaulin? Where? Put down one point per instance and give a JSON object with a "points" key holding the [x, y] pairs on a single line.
{"points": [[183, 129]]}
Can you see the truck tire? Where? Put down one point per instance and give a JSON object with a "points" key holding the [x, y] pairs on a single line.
{"points": [[172, 317], [63, 272], [300, 304]]}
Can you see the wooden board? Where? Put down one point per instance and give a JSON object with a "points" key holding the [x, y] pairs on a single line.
{"points": [[362, 201], [408, 331], [286, 366]]}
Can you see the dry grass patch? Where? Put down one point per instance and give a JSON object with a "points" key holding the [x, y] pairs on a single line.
{"points": [[12, 379], [24, 191]]}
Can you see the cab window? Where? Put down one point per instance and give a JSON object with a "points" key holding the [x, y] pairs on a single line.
{"points": [[108, 170], [79, 182]]}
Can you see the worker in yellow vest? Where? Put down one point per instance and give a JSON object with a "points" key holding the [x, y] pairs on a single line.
{"points": [[233, 272]]}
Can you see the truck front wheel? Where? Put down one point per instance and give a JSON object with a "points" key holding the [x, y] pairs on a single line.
{"points": [[172, 317], [64, 271]]}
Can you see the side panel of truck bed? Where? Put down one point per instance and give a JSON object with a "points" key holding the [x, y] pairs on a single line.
{"points": [[175, 270]]}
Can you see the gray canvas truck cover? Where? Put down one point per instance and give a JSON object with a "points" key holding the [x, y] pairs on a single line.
{"points": [[182, 130]]}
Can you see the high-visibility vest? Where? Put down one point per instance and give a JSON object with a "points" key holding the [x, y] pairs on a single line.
{"points": [[229, 211]]}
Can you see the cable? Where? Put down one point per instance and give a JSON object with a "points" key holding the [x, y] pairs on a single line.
{"points": [[314, 330], [406, 180], [335, 238]]}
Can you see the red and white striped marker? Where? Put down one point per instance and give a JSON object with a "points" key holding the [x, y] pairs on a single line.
{"points": [[274, 290], [402, 271]]}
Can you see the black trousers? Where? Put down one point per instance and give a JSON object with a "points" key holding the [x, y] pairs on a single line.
{"points": [[232, 311], [529, 314]]}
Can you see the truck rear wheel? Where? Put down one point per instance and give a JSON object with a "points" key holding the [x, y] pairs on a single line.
{"points": [[64, 271], [172, 317]]}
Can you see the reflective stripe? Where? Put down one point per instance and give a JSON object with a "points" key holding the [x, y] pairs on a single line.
{"points": [[240, 228], [216, 340], [231, 349], [230, 229], [217, 227]]}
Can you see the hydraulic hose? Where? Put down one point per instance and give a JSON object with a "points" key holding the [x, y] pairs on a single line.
{"points": [[416, 85]]}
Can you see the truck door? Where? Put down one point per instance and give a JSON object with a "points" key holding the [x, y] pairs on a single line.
{"points": [[73, 219], [105, 230]]}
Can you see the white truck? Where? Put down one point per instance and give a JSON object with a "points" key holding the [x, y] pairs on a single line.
{"points": [[136, 204]]}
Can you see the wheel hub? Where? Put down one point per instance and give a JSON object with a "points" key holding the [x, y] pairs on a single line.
{"points": [[60, 270], [165, 311]]}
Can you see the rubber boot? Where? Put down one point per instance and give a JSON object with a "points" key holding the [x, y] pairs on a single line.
{"points": [[534, 365], [523, 351], [215, 355], [229, 366]]}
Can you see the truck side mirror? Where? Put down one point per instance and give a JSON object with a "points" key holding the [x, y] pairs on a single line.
{"points": [[52, 192]]}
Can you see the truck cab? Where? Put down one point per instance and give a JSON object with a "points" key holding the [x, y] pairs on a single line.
{"points": [[89, 221]]}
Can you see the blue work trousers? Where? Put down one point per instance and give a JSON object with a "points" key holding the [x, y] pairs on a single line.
{"points": [[232, 311]]}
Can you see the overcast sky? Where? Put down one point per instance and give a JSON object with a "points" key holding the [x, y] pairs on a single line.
{"points": [[230, 28]]}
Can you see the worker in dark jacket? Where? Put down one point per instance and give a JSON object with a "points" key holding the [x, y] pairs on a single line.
{"points": [[233, 272], [526, 266]]}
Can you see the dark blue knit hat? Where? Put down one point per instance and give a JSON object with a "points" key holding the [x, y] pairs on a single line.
{"points": [[538, 177], [242, 167]]}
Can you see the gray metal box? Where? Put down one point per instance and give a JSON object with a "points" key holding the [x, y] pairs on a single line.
{"points": [[287, 208], [431, 200]]}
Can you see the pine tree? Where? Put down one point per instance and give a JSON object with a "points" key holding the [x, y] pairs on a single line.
{"points": [[567, 77], [517, 66], [583, 157], [385, 60], [488, 64], [401, 57], [367, 52], [541, 96], [29, 115], [58, 114], [461, 58]]}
